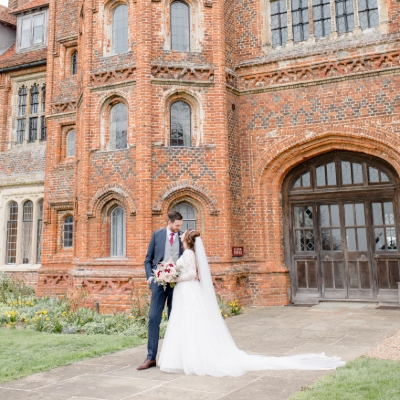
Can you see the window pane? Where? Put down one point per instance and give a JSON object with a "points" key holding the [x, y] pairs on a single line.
{"points": [[278, 23], [360, 215], [38, 28], [346, 173], [298, 217], [324, 216], [306, 180], [351, 239], [321, 176], [25, 32], [180, 33], [362, 239], [391, 238], [34, 99], [74, 62], [12, 228], [120, 29], [118, 232], [119, 126], [326, 239], [335, 215], [348, 214], [32, 135], [188, 214], [377, 213], [373, 175], [180, 124], [357, 173], [43, 129], [68, 231], [379, 239], [388, 212], [308, 217], [71, 144], [309, 240], [27, 226], [336, 240], [20, 135], [299, 239], [331, 174], [39, 233], [22, 101]]}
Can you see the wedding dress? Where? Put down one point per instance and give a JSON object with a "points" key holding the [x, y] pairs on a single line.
{"points": [[197, 340]]}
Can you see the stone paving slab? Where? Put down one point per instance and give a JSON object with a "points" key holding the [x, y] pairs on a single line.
{"points": [[347, 330]]}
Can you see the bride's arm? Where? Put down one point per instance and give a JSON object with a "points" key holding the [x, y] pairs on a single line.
{"points": [[189, 271]]}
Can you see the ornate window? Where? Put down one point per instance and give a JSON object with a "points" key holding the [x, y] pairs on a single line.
{"points": [[68, 231], [74, 63], [180, 120], [118, 127], [118, 232], [12, 232], [27, 227], [70, 143], [120, 29], [39, 233], [32, 30], [188, 214], [180, 22]]}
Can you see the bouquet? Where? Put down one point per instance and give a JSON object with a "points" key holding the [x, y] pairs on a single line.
{"points": [[166, 272]]}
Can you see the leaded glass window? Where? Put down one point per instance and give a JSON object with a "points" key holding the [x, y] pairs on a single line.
{"points": [[279, 23], [180, 124], [384, 225], [303, 181], [27, 227], [43, 98], [118, 232], [43, 128], [368, 13], [34, 99], [33, 122], [74, 63], [39, 233], [344, 15], [68, 231], [21, 126], [180, 31], [304, 228], [22, 101], [12, 230], [120, 29], [71, 144], [118, 127], [322, 18], [300, 20], [189, 215]]}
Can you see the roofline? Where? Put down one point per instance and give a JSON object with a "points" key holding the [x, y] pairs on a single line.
{"points": [[38, 7], [22, 66]]}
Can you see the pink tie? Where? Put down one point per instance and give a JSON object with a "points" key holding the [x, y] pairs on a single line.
{"points": [[171, 239]]}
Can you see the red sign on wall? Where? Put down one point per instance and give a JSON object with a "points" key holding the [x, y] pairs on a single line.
{"points": [[237, 251]]}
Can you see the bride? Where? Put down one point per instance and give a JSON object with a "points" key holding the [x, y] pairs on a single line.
{"points": [[197, 340]]}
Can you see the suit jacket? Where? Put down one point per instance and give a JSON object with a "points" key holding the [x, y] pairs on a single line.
{"points": [[156, 250]]}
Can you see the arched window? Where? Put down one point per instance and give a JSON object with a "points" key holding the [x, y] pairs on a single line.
{"points": [[71, 144], [22, 101], [27, 227], [120, 29], [12, 229], [34, 99], [74, 63], [180, 124], [68, 234], [118, 127], [39, 233], [118, 232], [188, 214], [180, 31]]}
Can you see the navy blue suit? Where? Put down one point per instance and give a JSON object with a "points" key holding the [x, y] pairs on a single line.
{"points": [[155, 255]]}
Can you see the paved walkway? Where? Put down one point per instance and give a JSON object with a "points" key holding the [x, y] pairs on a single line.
{"points": [[346, 330]]}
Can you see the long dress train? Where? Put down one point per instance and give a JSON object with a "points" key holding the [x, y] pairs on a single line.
{"points": [[197, 340]]}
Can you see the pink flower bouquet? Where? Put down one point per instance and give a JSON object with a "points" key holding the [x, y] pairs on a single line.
{"points": [[166, 272]]}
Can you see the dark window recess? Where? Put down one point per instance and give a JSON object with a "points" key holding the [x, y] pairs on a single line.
{"points": [[32, 129], [43, 128], [20, 135], [22, 101], [74, 63], [34, 99], [43, 98]]}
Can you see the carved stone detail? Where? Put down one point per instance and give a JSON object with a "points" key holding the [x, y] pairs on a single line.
{"points": [[187, 73], [57, 280], [60, 108], [108, 285], [323, 70], [231, 78], [117, 75]]}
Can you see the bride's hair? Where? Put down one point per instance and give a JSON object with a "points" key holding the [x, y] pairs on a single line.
{"points": [[190, 238]]}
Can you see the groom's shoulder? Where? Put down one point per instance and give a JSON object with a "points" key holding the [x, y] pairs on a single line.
{"points": [[159, 231]]}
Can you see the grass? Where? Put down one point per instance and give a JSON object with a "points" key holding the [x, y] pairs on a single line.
{"points": [[362, 379], [25, 352]]}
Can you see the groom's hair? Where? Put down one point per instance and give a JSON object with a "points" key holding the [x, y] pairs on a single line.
{"points": [[174, 215]]}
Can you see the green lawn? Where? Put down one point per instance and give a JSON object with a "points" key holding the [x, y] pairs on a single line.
{"points": [[26, 352], [361, 379]]}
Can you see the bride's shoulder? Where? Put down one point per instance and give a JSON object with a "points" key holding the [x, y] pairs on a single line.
{"points": [[188, 251]]}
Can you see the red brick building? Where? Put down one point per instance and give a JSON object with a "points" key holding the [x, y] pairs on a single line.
{"points": [[272, 125]]}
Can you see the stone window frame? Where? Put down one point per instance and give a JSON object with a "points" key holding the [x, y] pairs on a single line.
{"points": [[65, 130], [21, 200], [107, 13], [196, 21], [28, 82], [45, 30], [266, 36], [105, 125], [196, 114]]}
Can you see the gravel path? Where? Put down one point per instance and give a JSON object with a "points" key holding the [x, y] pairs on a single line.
{"points": [[389, 349]]}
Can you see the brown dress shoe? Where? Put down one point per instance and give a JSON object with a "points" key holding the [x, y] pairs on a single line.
{"points": [[147, 364]]}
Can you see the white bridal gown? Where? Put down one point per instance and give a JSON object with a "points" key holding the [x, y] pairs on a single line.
{"points": [[197, 340]]}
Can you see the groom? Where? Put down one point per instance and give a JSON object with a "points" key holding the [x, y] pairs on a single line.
{"points": [[164, 244]]}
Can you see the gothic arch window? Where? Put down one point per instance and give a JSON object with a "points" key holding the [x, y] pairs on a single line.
{"points": [[180, 26], [189, 215], [68, 231], [12, 233], [21, 122], [341, 211], [180, 124], [120, 29], [74, 63], [27, 230], [70, 143], [118, 232], [118, 127]]}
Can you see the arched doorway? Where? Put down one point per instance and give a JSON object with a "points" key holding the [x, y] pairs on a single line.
{"points": [[341, 228]]}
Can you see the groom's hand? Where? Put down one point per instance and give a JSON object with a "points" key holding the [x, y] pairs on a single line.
{"points": [[149, 282]]}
